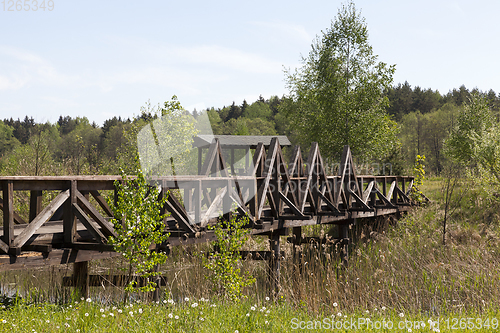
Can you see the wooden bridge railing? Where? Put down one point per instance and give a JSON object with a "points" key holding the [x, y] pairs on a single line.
{"points": [[274, 195]]}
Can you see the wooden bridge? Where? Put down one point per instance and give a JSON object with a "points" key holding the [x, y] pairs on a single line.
{"points": [[278, 197]]}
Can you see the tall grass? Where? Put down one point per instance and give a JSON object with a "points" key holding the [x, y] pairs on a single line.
{"points": [[401, 266]]}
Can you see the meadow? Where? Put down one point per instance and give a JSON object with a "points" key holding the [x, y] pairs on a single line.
{"points": [[400, 277]]}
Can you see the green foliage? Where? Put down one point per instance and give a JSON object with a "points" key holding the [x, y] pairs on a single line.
{"points": [[138, 222], [419, 173], [336, 97], [7, 140], [473, 123], [223, 264]]}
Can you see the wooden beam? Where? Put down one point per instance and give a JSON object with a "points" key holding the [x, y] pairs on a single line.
{"points": [[80, 214], [41, 218], [107, 228], [366, 193], [215, 204], [69, 219], [8, 212], [102, 202]]}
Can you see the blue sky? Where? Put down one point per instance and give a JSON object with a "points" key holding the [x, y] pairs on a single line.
{"points": [[101, 59]]}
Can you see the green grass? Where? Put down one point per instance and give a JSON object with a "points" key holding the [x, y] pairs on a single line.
{"points": [[205, 316]]}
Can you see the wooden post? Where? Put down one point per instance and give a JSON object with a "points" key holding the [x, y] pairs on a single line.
{"points": [[197, 201], [274, 262], [8, 212], [81, 276], [69, 219], [232, 161], [35, 203], [344, 235], [296, 251], [200, 153]]}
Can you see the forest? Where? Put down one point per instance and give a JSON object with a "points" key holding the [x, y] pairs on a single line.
{"points": [[77, 146]]}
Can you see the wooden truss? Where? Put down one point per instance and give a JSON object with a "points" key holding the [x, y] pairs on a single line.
{"points": [[273, 194]]}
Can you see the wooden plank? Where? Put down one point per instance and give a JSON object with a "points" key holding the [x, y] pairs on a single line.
{"points": [[410, 188], [258, 159], [215, 204], [241, 207], [4, 247], [80, 214], [363, 205], [328, 203], [268, 168], [366, 193], [107, 228], [391, 190], [69, 219], [41, 218], [384, 199], [102, 202], [8, 212], [309, 171], [290, 204], [209, 159], [35, 204]]}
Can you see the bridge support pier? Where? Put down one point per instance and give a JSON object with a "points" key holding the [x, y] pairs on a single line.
{"points": [[274, 262], [344, 235], [81, 278]]}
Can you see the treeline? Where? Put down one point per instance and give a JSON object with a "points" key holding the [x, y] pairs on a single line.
{"points": [[77, 146]]}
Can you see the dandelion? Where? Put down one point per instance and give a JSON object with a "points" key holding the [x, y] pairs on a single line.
{"points": [[101, 310], [252, 308], [86, 314], [202, 299], [140, 310], [111, 314], [165, 301], [176, 317], [335, 304], [266, 322], [170, 316], [88, 300], [248, 314], [401, 314], [194, 305], [213, 305], [186, 299], [131, 313], [267, 298], [4, 321], [103, 315], [367, 311], [47, 321], [383, 308], [171, 301], [339, 314], [202, 319], [268, 311], [120, 310]]}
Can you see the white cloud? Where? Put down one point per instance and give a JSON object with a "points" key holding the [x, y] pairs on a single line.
{"points": [[287, 30], [20, 68]]}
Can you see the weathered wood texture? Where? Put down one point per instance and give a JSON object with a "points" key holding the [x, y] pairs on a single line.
{"points": [[274, 194]]}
